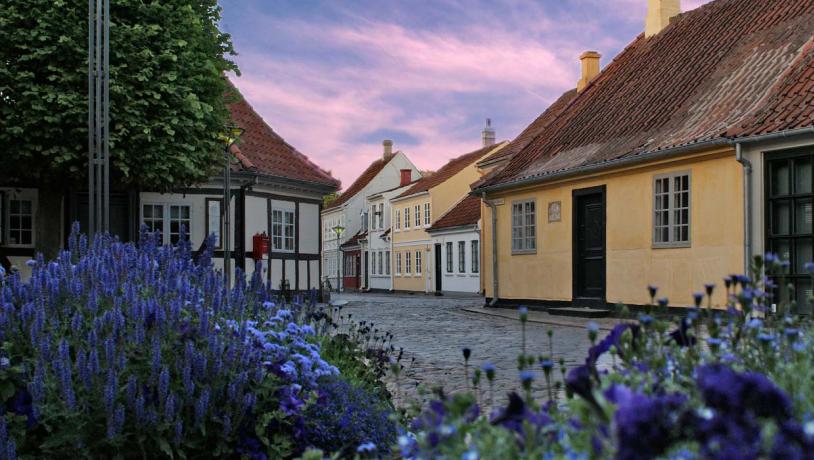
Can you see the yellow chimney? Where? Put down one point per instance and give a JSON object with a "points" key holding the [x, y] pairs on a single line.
{"points": [[659, 13], [590, 69]]}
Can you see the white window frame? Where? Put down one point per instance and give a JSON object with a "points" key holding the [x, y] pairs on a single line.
{"points": [[522, 243], [380, 266], [398, 263], [407, 218], [474, 248], [417, 211], [283, 226], [408, 263], [380, 225], [166, 219], [5, 216], [387, 262], [671, 225], [398, 220], [448, 252], [418, 260], [427, 215]]}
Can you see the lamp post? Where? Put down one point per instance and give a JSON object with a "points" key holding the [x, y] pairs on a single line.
{"points": [[230, 137], [339, 230]]}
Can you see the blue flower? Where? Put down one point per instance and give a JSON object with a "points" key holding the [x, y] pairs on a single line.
{"points": [[366, 447]]}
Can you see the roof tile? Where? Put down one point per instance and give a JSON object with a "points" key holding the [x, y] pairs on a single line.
{"points": [[466, 212]]}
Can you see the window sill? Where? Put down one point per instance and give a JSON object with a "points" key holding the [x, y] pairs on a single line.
{"points": [[524, 252], [671, 245]]}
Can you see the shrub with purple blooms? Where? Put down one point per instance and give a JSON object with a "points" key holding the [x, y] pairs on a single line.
{"points": [[140, 351], [729, 382]]}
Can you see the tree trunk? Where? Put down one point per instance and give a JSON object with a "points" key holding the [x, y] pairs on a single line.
{"points": [[49, 222]]}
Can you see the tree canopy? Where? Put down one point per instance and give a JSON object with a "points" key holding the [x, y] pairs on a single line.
{"points": [[167, 65]]}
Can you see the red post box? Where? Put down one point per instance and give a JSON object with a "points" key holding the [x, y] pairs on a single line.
{"points": [[260, 246]]}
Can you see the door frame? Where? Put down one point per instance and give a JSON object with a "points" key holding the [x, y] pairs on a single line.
{"points": [[576, 194], [438, 267]]}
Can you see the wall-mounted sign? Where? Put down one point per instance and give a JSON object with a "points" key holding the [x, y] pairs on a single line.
{"points": [[555, 211]]}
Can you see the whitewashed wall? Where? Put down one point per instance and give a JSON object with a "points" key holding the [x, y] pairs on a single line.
{"points": [[458, 282]]}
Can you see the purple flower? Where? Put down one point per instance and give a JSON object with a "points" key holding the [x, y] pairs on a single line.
{"points": [[163, 383], [647, 425], [613, 339], [578, 382], [736, 393]]}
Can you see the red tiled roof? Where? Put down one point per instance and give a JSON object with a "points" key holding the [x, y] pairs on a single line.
{"points": [[262, 150], [454, 166], [466, 212], [372, 171], [736, 67], [354, 241]]}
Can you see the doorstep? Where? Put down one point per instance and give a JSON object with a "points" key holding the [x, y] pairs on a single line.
{"points": [[580, 312]]}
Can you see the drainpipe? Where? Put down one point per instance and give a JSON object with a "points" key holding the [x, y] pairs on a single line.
{"points": [[747, 207], [495, 283]]}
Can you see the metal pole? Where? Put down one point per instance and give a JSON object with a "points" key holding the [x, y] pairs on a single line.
{"points": [[91, 150], [227, 256], [106, 124], [98, 117], [338, 264]]}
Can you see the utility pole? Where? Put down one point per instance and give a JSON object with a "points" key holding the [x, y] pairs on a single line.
{"points": [[98, 116]]}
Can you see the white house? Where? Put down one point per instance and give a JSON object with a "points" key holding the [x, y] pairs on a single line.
{"points": [[275, 190], [457, 249], [377, 246], [349, 211]]}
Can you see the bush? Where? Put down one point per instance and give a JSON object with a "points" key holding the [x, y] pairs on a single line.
{"points": [[133, 351], [344, 416]]}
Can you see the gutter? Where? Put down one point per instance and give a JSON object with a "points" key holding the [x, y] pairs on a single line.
{"points": [[495, 284], [747, 207]]}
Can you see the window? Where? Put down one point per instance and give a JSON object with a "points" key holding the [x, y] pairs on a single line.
{"points": [[475, 256], [167, 220], [20, 222], [398, 219], [398, 263], [449, 257], [381, 262], [417, 216], [2, 220], [408, 266], [671, 208], [372, 217], [524, 227], [427, 219], [387, 262], [418, 261], [214, 220], [406, 218], [461, 256], [179, 216], [282, 230], [153, 218]]}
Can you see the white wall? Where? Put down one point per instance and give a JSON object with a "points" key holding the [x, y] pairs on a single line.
{"points": [[456, 281], [309, 228]]}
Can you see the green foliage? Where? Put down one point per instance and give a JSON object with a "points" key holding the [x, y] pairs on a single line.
{"points": [[167, 65]]}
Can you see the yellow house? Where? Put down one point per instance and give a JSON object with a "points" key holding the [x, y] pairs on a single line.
{"points": [[638, 176], [415, 210]]}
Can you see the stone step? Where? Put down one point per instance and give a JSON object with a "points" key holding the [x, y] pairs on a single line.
{"points": [[580, 312]]}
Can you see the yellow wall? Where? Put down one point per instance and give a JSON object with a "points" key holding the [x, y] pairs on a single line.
{"points": [[411, 281], [632, 263], [410, 239]]}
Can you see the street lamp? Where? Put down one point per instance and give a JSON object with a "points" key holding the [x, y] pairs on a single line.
{"points": [[339, 230], [229, 138]]}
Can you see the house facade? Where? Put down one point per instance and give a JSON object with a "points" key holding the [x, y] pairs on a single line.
{"points": [[377, 246], [348, 212], [413, 250], [276, 192], [677, 188], [456, 248]]}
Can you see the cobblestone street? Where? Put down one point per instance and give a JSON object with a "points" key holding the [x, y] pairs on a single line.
{"points": [[433, 330]]}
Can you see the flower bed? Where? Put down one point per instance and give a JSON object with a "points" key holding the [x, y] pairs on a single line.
{"points": [[140, 351]]}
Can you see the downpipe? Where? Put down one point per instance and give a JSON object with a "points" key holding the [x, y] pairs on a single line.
{"points": [[495, 283], [747, 207]]}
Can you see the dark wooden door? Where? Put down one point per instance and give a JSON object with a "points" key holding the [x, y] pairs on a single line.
{"points": [[438, 285], [589, 247], [367, 269]]}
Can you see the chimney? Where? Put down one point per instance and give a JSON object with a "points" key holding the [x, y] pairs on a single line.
{"points": [[590, 69], [659, 13], [406, 177], [488, 134], [388, 148]]}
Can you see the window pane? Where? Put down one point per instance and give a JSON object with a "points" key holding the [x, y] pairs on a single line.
{"points": [[802, 176], [802, 218], [803, 293], [803, 254], [781, 218], [780, 178], [174, 212], [782, 248], [26, 237]]}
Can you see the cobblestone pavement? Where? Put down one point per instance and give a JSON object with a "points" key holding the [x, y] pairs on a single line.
{"points": [[433, 330]]}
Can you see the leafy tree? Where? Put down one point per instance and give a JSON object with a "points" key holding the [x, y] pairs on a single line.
{"points": [[167, 64]]}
